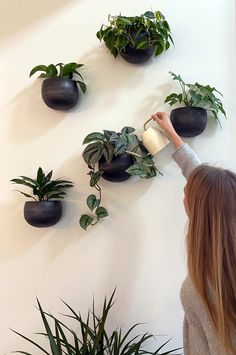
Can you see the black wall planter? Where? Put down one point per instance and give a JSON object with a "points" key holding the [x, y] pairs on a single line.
{"points": [[60, 93], [115, 171], [137, 56], [189, 121], [134, 55], [42, 213]]}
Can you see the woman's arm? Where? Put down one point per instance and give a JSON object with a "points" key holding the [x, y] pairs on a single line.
{"points": [[183, 155]]}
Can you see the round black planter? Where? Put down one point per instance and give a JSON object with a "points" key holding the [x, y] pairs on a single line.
{"points": [[60, 93], [42, 213], [115, 170], [134, 55], [137, 56], [189, 121]]}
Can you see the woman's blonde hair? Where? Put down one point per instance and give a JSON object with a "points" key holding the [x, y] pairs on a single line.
{"points": [[211, 246]]}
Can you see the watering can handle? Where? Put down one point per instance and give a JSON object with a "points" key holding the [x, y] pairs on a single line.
{"points": [[144, 126]]}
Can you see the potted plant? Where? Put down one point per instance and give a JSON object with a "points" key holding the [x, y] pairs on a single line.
{"points": [[191, 120], [91, 336], [45, 210], [59, 89], [114, 156], [136, 38]]}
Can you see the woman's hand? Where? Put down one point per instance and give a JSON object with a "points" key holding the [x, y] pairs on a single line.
{"points": [[163, 119]]}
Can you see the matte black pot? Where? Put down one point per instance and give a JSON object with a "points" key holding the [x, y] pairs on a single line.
{"points": [[42, 213], [134, 55], [189, 121], [115, 170], [60, 93]]}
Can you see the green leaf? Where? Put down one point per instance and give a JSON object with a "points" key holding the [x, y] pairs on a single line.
{"points": [[53, 344], [82, 86], [158, 49], [108, 150], [127, 130], [143, 44], [92, 202], [40, 176], [108, 134], [93, 153], [85, 221], [26, 195], [51, 71], [149, 14], [95, 136], [94, 177], [23, 182], [38, 68], [120, 148], [30, 341], [101, 212], [48, 177]]}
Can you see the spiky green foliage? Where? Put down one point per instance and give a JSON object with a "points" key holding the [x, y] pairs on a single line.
{"points": [[91, 336], [43, 186], [197, 95], [61, 70], [124, 30]]}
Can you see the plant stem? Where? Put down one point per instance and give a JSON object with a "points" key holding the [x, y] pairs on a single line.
{"points": [[132, 153]]}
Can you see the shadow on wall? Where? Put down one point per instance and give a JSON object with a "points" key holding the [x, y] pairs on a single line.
{"points": [[107, 77], [21, 237], [15, 15], [30, 117]]}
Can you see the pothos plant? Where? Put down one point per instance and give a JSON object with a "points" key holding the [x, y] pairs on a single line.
{"points": [[108, 146], [197, 95], [140, 32], [61, 70]]}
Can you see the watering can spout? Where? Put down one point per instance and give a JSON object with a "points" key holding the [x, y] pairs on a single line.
{"points": [[153, 139]]}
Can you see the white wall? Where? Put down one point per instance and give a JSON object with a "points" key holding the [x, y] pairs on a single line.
{"points": [[140, 247]]}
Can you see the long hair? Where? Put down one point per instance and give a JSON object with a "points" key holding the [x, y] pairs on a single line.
{"points": [[211, 246]]}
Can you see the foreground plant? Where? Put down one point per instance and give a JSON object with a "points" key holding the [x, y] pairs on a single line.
{"points": [[138, 35], [115, 156], [92, 338]]}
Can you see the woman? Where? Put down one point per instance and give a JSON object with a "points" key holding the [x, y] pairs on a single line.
{"points": [[208, 293]]}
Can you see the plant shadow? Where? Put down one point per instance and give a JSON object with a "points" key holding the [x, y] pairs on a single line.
{"points": [[36, 119], [109, 76]]}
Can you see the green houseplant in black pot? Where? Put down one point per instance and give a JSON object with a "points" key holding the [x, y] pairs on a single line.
{"points": [[191, 120], [59, 89], [136, 38], [90, 335], [113, 156], [46, 209]]}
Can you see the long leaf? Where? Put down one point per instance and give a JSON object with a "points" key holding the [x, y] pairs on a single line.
{"points": [[31, 341], [53, 344]]}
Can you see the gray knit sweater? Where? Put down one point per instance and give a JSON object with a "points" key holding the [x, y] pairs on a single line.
{"points": [[198, 334]]}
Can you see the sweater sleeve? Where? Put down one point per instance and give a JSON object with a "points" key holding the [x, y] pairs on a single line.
{"points": [[186, 159]]}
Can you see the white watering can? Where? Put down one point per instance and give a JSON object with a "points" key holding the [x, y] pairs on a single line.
{"points": [[153, 139]]}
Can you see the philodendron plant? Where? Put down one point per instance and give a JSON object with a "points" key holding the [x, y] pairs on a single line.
{"points": [[115, 156], [60, 89], [136, 38], [46, 209], [198, 99], [90, 335]]}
